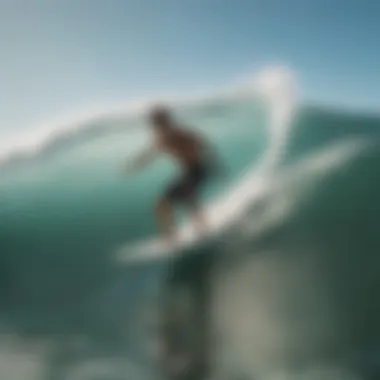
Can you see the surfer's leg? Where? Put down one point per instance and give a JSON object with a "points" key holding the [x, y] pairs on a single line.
{"points": [[191, 199], [165, 212], [197, 214], [165, 218], [196, 177]]}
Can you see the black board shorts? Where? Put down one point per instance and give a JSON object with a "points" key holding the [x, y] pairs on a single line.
{"points": [[187, 186]]}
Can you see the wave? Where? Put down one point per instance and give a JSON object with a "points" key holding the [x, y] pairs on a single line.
{"points": [[113, 308], [42, 141], [283, 287], [80, 313]]}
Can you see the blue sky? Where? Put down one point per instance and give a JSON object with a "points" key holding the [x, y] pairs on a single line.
{"points": [[60, 56]]}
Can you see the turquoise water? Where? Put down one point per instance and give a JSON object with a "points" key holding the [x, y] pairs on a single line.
{"points": [[291, 284]]}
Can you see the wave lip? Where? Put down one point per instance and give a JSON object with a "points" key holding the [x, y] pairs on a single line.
{"points": [[16, 149]]}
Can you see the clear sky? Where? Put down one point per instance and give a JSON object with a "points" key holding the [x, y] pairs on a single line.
{"points": [[60, 56]]}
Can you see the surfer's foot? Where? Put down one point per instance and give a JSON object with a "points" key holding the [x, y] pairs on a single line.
{"points": [[164, 217], [200, 224], [171, 240]]}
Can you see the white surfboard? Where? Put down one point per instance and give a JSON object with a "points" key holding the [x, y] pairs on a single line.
{"points": [[218, 215], [158, 247]]}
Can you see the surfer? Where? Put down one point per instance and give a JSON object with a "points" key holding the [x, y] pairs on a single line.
{"points": [[196, 160]]}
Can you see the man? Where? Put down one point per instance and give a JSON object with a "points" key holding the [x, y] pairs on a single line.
{"points": [[196, 161]]}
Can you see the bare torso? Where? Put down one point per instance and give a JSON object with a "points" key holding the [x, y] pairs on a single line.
{"points": [[183, 145]]}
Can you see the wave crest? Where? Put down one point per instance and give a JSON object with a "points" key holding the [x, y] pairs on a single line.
{"points": [[273, 84]]}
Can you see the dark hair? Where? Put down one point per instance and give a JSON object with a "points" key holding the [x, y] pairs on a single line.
{"points": [[159, 115]]}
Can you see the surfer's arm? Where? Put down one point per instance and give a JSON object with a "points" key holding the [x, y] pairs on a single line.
{"points": [[144, 158]]}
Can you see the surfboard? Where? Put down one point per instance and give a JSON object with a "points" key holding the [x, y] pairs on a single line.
{"points": [[158, 247], [219, 214]]}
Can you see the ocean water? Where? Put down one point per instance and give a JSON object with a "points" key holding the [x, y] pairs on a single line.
{"points": [[288, 290]]}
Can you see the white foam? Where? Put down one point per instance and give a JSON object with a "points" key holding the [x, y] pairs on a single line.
{"points": [[31, 142]]}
